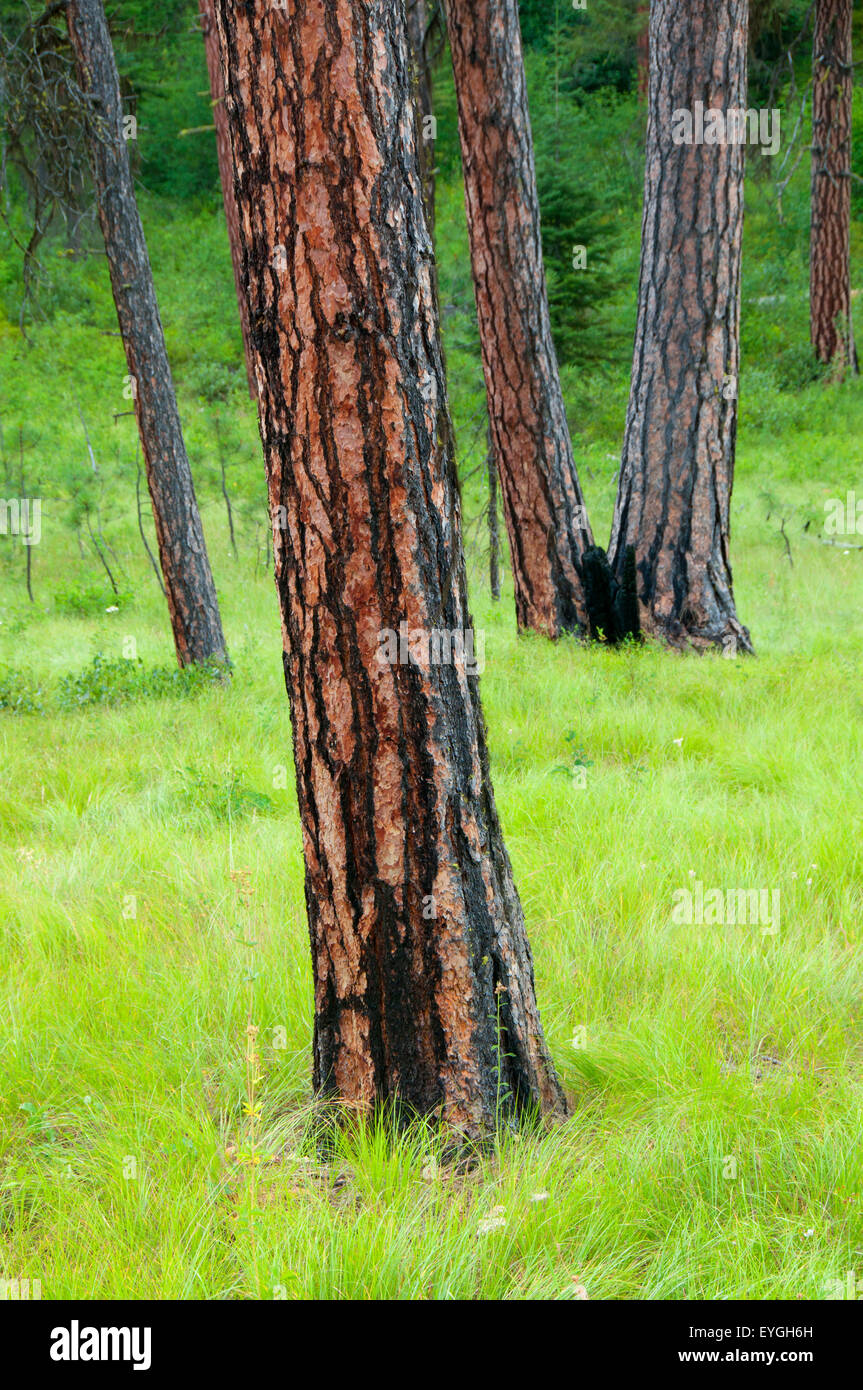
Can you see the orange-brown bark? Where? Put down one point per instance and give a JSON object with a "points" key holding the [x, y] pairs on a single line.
{"points": [[423, 979], [544, 509], [831, 328], [677, 466]]}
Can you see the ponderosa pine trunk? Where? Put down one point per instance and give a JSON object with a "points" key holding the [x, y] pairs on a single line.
{"points": [[831, 328], [544, 509], [418, 16], [424, 989], [191, 594], [678, 454], [226, 176]]}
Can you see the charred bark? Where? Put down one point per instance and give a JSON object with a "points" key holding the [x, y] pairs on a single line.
{"points": [[183, 557], [226, 176], [678, 454], [831, 328], [611, 604], [424, 990], [544, 509]]}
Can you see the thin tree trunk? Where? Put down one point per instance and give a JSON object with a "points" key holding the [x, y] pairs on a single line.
{"points": [[226, 175], [493, 526], [98, 549], [546, 518], [424, 989], [831, 329], [28, 548], [189, 584], [29, 572], [418, 17], [678, 453]]}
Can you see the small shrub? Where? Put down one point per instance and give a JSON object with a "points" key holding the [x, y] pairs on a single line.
{"points": [[211, 381], [797, 367], [86, 600], [107, 682], [20, 693], [230, 799]]}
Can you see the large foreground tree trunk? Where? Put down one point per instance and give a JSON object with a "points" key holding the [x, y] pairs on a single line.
{"points": [[545, 514], [830, 238], [424, 990], [678, 452], [189, 584], [226, 175]]}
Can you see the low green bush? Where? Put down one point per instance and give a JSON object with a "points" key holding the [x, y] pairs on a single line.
{"points": [[19, 692], [113, 682]]}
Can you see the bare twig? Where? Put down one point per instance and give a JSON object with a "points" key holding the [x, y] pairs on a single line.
{"points": [[43, 116], [27, 547], [841, 545], [225, 485], [156, 569], [87, 437], [98, 551]]}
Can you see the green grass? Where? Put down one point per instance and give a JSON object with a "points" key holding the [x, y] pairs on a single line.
{"points": [[716, 1073], [124, 1036]]}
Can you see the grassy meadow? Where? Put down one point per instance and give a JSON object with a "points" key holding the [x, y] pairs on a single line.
{"points": [[156, 1117]]}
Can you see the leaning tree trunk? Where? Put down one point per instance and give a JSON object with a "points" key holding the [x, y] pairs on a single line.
{"points": [[189, 584], [424, 990], [678, 453], [830, 237], [226, 175], [544, 509], [418, 17]]}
